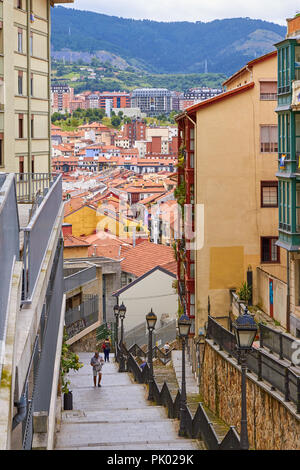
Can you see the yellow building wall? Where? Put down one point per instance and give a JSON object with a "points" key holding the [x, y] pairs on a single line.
{"points": [[229, 170], [84, 221], [76, 252]]}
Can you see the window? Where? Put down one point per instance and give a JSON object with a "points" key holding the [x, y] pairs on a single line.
{"points": [[1, 150], [269, 193], [270, 252], [19, 4], [21, 134], [32, 127], [20, 40], [32, 165], [31, 85], [20, 83], [21, 167], [268, 139], [268, 91], [298, 207]]}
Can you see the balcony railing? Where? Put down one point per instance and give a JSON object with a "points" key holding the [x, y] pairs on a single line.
{"points": [[31, 185], [79, 318], [78, 279]]}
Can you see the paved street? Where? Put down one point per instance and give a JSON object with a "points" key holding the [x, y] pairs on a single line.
{"points": [[116, 416]]}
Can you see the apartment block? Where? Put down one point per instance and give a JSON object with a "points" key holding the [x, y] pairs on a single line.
{"points": [[288, 172], [25, 85], [227, 176], [152, 101], [61, 98]]}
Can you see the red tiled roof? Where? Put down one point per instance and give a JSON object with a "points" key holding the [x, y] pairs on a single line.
{"points": [[146, 256], [215, 99], [71, 241]]}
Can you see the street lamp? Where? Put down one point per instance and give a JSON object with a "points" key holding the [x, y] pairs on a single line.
{"points": [[122, 313], [116, 313], [245, 330], [151, 319], [184, 325]]}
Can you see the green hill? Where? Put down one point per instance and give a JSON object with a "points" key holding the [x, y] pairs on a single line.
{"points": [[220, 46]]}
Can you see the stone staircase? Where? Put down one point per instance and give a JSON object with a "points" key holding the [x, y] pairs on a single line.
{"points": [[193, 395], [116, 416]]}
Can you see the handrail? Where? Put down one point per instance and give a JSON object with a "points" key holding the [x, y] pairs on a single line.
{"points": [[197, 426], [260, 362]]}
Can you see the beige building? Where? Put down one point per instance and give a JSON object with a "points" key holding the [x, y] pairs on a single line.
{"points": [[25, 88], [155, 290], [230, 163]]}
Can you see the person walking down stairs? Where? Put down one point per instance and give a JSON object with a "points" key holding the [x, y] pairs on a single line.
{"points": [[106, 349], [97, 363]]}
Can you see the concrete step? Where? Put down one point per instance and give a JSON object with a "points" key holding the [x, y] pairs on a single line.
{"points": [[116, 415]]}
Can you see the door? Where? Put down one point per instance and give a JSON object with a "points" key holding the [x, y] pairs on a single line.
{"points": [[271, 297]]}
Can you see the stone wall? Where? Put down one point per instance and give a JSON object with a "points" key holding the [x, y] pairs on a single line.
{"points": [[272, 423], [87, 343]]}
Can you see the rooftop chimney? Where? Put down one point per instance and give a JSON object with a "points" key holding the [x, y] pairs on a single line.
{"points": [[293, 25], [66, 229]]}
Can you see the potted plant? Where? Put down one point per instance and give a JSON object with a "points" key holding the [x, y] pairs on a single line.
{"points": [[244, 293], [69, 361]]}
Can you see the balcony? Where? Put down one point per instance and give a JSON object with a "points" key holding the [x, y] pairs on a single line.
{"points": [[30, 186], [83, 316], [78, 279]]}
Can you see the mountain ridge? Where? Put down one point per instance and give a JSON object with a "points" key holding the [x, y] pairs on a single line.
{"points": [[219, 46]]}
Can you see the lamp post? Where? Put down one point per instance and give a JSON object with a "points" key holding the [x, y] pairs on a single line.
{"points": [[116, 313], [151, 319], [184, 325], [122, 313], [245, 330]]}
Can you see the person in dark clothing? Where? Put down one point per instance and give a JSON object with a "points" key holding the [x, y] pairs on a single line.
{"points": [[106, 349]]}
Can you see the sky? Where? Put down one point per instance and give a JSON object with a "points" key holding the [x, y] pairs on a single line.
{"points": [[193, 10]]}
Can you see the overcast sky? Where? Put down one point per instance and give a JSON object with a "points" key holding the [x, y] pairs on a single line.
{"points": [[193, 10]]}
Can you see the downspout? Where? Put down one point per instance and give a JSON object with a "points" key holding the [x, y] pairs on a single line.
{"points": [[251, 73], [288, 300], [22, 411]]}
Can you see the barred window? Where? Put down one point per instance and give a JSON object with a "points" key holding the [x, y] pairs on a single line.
{"points": [[268, 139], [268, 91], [269, 194]]}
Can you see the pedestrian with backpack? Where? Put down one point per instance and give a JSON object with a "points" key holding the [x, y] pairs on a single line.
{"points": [[106, 349]]}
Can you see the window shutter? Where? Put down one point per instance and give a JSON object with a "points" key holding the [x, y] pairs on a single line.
{"points": [[268, 87]]}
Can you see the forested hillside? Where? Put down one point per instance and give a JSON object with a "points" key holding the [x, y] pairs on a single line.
{"points": [[220, 46]]}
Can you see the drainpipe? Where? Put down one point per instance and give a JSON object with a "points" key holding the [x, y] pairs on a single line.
{"points": [[251, 73], [288, 300], [22, 411]]}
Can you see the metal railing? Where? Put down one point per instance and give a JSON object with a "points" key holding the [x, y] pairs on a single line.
{"points": [[28, 185], [280, 376], [81, 277], [79, 318], [163, 357], [277, 342], [139, 334], [198, 426], [37, 235], [29, 393], [9, 248]]}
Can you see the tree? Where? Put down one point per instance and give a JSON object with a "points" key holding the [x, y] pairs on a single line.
{"points": [[116, 121]]}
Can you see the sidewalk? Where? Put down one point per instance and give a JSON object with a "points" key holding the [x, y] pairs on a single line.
{"points": [[116, 416]]}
